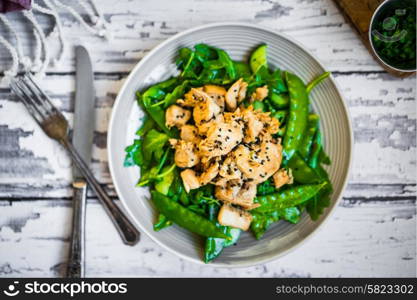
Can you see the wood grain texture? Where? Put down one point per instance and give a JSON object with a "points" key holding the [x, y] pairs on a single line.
{"points": [[137, 26], [340, 248], [373, 231]]}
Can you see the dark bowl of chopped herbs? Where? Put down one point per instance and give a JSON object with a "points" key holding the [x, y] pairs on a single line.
{"points": [[392, 34]]}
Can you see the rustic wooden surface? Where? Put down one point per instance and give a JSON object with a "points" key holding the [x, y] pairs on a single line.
{"points": [[373, 231]]}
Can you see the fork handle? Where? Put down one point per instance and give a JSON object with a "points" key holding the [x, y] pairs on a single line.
{"points": [[128, 232]]}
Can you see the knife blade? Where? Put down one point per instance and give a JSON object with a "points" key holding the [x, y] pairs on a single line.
{"points": [[82, 139], [84, 121]]}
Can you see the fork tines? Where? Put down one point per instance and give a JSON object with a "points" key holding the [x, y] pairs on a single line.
{"points": [[35, 100]]}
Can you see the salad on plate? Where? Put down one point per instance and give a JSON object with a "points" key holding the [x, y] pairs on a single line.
{"points": [[230, 146]]}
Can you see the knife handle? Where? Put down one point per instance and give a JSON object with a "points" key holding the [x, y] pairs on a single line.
{"points": [[128, 232], [75, 267]]}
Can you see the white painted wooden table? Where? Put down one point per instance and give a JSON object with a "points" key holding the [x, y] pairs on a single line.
{"points": [[373, 231]]}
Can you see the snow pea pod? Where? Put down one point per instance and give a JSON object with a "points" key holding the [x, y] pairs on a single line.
{"points": [[301, 171], [307, 141], [262, 221], [279, 101], [258, 58], [315, 150], [161, 223], [316, 81], [297, 120], [287, 198], [186, 218]]}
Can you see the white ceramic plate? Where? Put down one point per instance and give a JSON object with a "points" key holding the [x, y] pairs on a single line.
{"points": [[238, 40]]}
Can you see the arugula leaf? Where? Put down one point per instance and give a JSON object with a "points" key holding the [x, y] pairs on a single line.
{"points": [[177, 93], [153, 142], [134, 155], [265, 188], [164, 185], [147, 124]]}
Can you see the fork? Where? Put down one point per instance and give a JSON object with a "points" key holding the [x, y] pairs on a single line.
{"points": [[56, 127]]}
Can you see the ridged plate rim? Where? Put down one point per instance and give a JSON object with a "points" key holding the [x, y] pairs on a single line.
{"points": [[111, 134]]}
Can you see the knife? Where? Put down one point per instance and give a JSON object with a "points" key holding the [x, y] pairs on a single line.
{"points": [[82, 139]]}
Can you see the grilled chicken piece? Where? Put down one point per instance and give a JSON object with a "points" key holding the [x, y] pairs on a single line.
{"points": [[254, 125], [261, 162], [204, 127], [235, 94], [235, 192], [176, 116], [229, 169], [185, 154], [258, 123], [205, 110], [228, 191], [282, 177], [246, 195], [217, 93], [190, 180], [234, 217], [209, 174], [221, 139], [194, 96], [260, 93], [189, 133], [271, 125]]}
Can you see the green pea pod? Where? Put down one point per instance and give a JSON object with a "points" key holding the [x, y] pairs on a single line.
{"points": [[279, 101], [297, 120], [186, 218], [307, 141], [262, 221], [287, 198], [161, 223], [316, 81], [301, 171], [315, 150], [258, 58]]}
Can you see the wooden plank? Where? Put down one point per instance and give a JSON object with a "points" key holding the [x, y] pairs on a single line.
{"points": [[137, 28], [383, 114], [366, 239]]}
